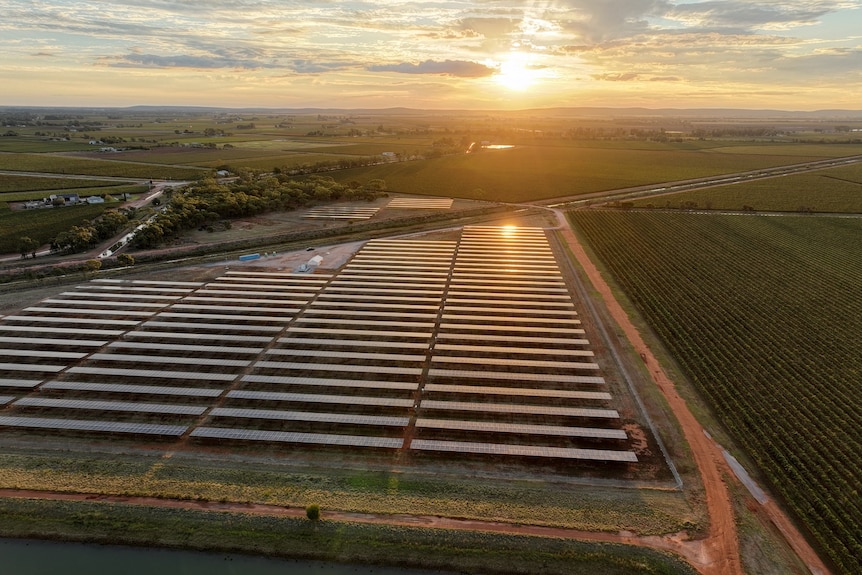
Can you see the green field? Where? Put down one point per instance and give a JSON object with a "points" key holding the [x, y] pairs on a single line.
{"points": [[835, 190], [541, 172], [764, 314], [10, 183], [274, 536], [55, 164], [42, 225]]}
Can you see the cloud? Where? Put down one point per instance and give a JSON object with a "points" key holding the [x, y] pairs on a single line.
{"points": [[625, 77], [184, 61], [459, 68], [744, 15]]}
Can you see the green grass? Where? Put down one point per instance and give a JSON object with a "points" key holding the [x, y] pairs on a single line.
{"points": [[835, 190], [85, 166], [764, 314], [541, 172], [587, 508], [9, 183], [42, 225], [462, 551]]}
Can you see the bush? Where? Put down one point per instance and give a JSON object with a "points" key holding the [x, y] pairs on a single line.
{"points": [[313, 512]]}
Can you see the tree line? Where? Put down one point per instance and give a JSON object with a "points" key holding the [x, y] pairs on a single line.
{"points": [[210, 201]]}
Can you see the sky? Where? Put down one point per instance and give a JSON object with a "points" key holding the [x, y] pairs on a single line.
{"points": [[438, 54]]}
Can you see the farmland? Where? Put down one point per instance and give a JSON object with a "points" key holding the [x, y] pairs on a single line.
{"points": [[779, 366], [42, 225], [833, 190], [538, 172]]}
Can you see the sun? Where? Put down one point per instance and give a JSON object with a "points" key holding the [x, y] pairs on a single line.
{"points": [[515, 72]]}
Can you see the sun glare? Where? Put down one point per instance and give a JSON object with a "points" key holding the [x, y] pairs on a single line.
{"points": [[515, 73]]}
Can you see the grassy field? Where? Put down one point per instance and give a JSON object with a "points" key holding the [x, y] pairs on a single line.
{"points": [[835, 190], [70, 165], [42, 225], [648, 512], [9, 183], [541, 172], [473, 552], [764, 316]]}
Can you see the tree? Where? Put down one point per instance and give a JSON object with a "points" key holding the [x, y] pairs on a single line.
{"points": [[312, 511], [92, 266], [125, 260], [27, 245]]}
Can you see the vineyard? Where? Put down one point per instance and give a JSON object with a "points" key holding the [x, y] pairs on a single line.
{"points": [[540, 172], [68, 165], [764, 314]]}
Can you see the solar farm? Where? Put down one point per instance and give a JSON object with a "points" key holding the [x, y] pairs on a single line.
{"points": [[468, 349]]}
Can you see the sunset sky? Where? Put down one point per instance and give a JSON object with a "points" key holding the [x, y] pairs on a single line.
{"points": [[792, 55]]}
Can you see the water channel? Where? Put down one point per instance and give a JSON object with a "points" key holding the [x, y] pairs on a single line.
{"points": [[35, 557]]}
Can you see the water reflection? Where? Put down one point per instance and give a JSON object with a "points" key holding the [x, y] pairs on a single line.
{"points": [[33, 557]]}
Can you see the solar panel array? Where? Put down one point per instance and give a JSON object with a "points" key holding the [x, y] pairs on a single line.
{"points": [[340, 213], [420, 203], [468, 347]]}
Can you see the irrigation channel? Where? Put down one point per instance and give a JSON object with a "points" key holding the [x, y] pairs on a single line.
{"points": [[35, 557]]}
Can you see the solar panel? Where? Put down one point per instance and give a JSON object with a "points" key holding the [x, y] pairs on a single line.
{"points": [[361, 332], [31, 367], [321, 398], [85, 425], [513, 350], [133, 389], [313, 417], [4, 399], [488, 318], [512, 328], [366, 322], [111, 302], [503, 309], [523, 450], [211, 299], [169, 359], [88, 311], [44, 353], [286, 310], [53, 341], [338, 367], [316, 304], [149, 282], [517, 391], [200, 336], [335, 354], [154, 374], [520, 409], [521, 428], [125, 296], [224, 316], [57, 330], [504, 338], [293, 437], [134, 407], [509, 376], [157, 346], [351, 343], [327, 382], [363, 313], [72, 320], [211, 326], [12, 382], [515, 362]]}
